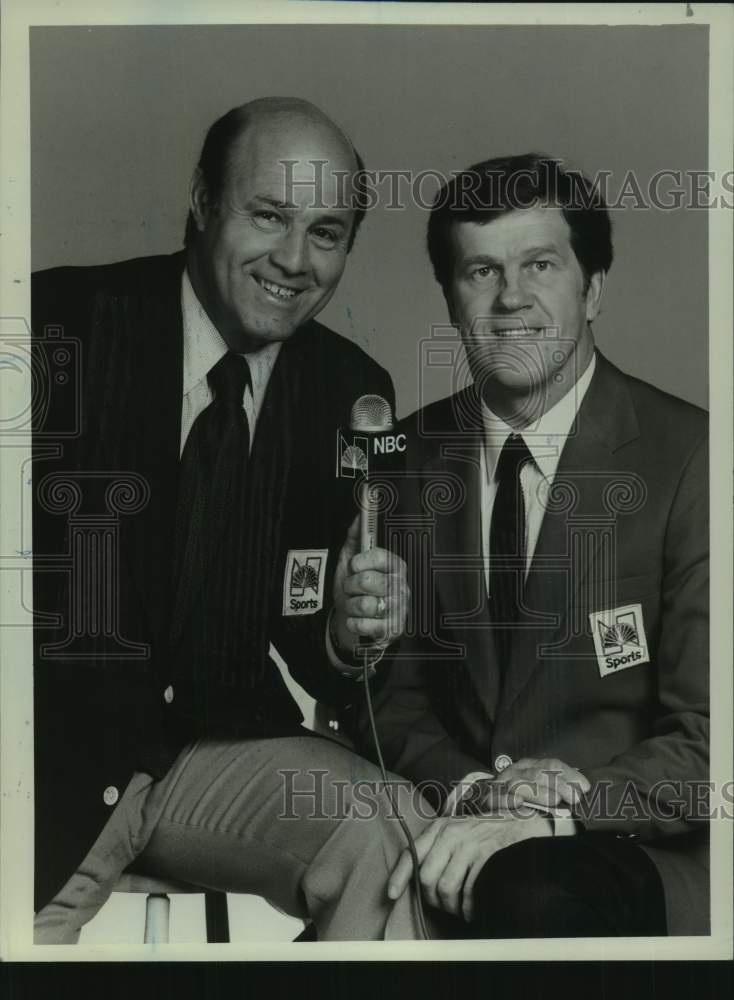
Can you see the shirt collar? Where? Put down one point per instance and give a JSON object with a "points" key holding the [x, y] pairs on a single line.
{"points": [[544, 438], [203, 345]]}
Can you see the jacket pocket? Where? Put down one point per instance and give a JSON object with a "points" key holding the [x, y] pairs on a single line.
{"points": [[603, 595]]}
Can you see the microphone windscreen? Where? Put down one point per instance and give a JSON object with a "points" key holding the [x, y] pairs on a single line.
{"points": [[371, 415]]}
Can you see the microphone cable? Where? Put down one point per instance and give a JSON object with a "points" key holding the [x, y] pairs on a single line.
{"points": [[372, 414], [388, 787]]}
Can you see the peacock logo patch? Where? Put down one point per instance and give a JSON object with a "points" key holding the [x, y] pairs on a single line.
{"points": [[351, 456], [623, 631], [619, 638], [305, 576], [303, 581]]}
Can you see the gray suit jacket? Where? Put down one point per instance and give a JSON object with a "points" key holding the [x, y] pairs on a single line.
{"points": [[626, 532]]}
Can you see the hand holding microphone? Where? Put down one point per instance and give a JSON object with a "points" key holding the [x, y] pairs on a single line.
{"points": [[371, 592], [370, 586]]}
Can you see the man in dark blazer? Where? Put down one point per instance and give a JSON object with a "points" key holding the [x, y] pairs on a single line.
{"points": [[188, 527], [553, 678]]}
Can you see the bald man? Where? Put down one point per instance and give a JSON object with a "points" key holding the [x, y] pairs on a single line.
{"points": [[166, 739]]}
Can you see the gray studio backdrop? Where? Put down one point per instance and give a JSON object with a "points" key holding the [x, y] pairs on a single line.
{"points": [[118, 116]]}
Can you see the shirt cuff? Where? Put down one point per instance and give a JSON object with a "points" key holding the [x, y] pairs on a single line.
{"points": [[562, 821], [564, 826], [353, 670], [461, 789], [561, 817]]}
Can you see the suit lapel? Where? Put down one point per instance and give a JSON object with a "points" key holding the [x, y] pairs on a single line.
{"points": [[573, 547], [277, 445], [460, 579]]}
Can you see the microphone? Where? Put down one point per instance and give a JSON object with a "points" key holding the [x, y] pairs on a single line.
{"points": [[371, 418], [371, 452]]}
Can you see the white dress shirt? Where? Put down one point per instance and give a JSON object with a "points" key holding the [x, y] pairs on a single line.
{"points": [[545, 439], [203, 346]]}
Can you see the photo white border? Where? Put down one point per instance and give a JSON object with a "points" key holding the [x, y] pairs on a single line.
{"points": [[16, 767]]}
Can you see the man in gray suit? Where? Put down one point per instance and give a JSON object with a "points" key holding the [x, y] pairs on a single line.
{"points": [[557, 656]]}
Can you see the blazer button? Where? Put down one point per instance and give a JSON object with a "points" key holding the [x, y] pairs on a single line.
{"points": [[168, 695], [502, 762], [110, 795]]}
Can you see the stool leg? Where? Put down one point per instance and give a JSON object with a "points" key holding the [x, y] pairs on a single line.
{"points": [[308, 933], [217, 917], [157, 914]]}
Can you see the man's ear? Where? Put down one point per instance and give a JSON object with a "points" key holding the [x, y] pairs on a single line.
{"points": [[593, 295], [199, 200]]}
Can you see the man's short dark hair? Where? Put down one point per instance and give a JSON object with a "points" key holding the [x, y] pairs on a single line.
{"points": [[496, 187], [220, 139]]}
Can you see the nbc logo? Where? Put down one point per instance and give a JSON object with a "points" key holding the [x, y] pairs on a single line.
{"points": [[303, 581], [619, 638]]}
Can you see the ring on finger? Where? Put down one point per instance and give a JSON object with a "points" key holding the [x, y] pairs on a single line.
{"points": [[381, 605]]}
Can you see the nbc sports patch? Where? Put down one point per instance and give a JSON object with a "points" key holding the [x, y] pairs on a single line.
{"points": [[303, 581], [619, 638]]}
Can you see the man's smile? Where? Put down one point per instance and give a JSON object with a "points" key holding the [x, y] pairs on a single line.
{"points": [[518, 331], [280, 292], [507, 331]]}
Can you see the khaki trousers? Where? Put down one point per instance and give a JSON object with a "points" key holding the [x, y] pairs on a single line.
{"points": [[302, 821]]}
